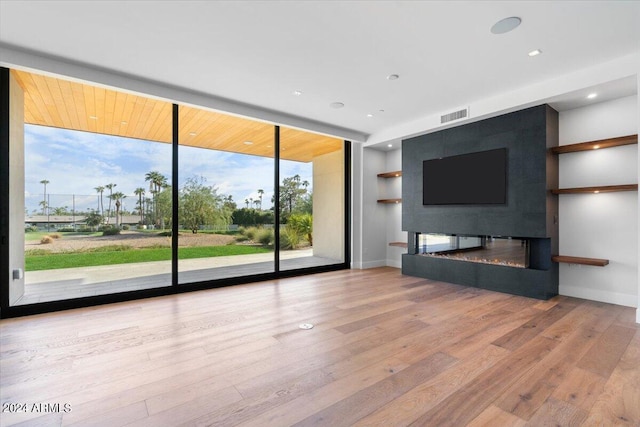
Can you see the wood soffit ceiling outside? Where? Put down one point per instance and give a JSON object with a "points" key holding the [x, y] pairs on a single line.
{"points": [[53, 102]]}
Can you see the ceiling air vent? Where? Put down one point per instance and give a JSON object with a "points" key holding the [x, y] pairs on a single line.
{"points": [[456, 115]]}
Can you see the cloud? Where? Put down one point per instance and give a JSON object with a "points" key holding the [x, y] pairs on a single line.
{"points": [[76, 162]]}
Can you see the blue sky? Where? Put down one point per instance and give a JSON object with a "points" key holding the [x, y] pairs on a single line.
{"points": [[76, 162]]}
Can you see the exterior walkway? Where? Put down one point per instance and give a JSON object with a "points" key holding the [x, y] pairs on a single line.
{"points": [[55, 285]]}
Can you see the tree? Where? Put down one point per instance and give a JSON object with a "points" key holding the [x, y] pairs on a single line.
{"points": [[110, 188], [260, 194], [157, 182], [293, 196], [246, 201], [100, 190], [164, 201], [44, 199], [201, 205], [117, 197], [140, 193], [229, 204], [93, 219]]}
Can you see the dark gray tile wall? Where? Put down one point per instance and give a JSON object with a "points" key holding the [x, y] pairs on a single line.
{"points": [[531, 211]]}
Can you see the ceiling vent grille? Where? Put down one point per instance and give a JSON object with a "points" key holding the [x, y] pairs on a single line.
{"points": [[456, 115]]}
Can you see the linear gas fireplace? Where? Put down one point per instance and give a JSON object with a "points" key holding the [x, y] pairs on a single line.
{"points": [[496, 250], [517, 265]]}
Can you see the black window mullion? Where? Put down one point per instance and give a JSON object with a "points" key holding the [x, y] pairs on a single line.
{"points": [[276, 201], [174, 198], [4, 188]]}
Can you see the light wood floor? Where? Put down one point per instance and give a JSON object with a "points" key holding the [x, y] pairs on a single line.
{"points": [[386, 350]]}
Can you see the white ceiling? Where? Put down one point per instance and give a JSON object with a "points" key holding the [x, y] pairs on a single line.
{"points": [[258, 53]]}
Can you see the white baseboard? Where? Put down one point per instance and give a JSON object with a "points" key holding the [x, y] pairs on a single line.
{"points": [[617, 298], [637, 315], [374, 264], [394, 263]]}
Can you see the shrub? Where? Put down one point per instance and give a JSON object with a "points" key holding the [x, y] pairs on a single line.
{"points": [[66, 229], [289, 238], [31, 229], [125, 227], [46, 240], [85, 229], [110, 231], [264, 236], [251, 233], [241, 238], [303, 224], [55, 236]]}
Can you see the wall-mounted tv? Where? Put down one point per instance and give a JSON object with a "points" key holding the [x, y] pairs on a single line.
{"points": [[469, 179]]}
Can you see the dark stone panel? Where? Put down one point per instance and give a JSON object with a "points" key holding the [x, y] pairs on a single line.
{"points": [[540, 284], [531, 211]]}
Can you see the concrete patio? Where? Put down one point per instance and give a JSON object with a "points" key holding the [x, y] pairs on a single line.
{"points": [[54, 285]]}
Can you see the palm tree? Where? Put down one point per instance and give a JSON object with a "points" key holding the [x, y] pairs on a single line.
{"points": [[44, 200], [257, 203], [260, 193], [117, 197], [140, 193], [110, 188], [100, 189], [247, 202], [157, 182]]}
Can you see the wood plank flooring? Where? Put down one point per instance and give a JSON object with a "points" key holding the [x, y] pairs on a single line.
{"points": [[386, 350]]}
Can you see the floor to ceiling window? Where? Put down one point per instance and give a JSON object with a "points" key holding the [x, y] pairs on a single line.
{"points": [[111, 192], [226, 168], [312, 200], [97, 165]]}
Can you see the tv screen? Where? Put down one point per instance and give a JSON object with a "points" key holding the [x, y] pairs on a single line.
{"points": [[468, 179]]}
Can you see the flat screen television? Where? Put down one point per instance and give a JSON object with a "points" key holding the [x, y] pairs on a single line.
{"points": [[469, 179]]}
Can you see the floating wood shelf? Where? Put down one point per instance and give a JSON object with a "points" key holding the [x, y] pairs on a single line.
{"points": [[594, 145], [399, 244], [598, 189], [390, 201], [395, 174], [580, 260]]}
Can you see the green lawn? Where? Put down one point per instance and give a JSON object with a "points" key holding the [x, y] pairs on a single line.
{"points": [[86, 259]]}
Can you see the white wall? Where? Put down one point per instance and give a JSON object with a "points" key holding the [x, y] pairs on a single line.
{"points": [[16, 189], [600, 225], [378, 223], [328, 206], [374, 217], [393, 162]]}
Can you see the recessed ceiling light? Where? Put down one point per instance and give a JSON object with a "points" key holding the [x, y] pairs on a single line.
{"points": [[535, 52], [596, 192], [505, 25], [336, 105], [93, 117], [248, 143], [389, 145], [595, 147], [123, 123], [369, 115], [393, 77], [592, 95], [192, 133], [297, 92]]}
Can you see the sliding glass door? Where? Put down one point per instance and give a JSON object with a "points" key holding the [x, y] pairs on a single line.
{"points": [[225, 215], [312, 200], [94, 213], [113, 193]]}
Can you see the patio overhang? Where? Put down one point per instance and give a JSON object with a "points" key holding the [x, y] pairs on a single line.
{"points": [[54, 102]]}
